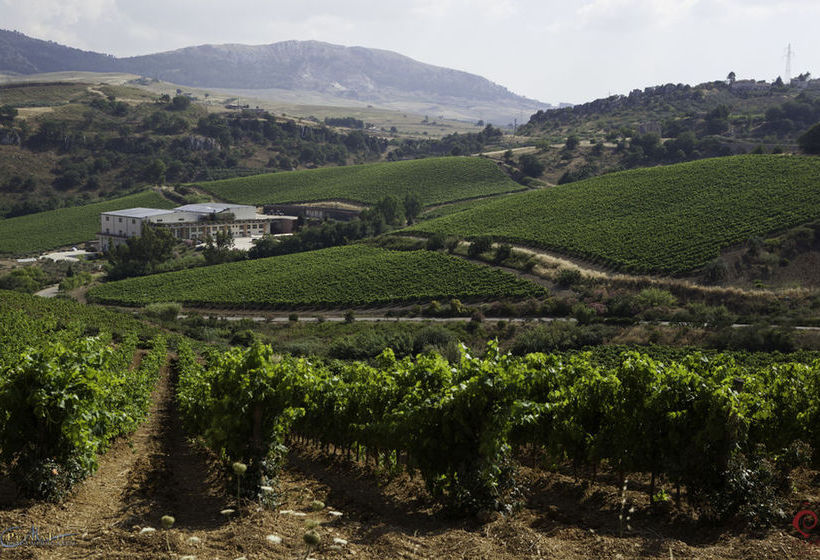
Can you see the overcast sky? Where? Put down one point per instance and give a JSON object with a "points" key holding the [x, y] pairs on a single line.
{"points": [[551, 50]]}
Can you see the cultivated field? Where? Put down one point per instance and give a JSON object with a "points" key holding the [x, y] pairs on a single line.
{"points": [[66, 226], [339, 276], [665, 219], [434, 180]]}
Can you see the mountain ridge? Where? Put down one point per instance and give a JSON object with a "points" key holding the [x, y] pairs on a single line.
{"points": [[351, 73]]}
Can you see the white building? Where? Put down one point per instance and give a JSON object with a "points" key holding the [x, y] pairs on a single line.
{"points": [[191, 221]]}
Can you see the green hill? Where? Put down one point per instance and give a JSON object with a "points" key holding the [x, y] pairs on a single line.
{"points": [[339, 276], [435, 180], [669, 219], [66, 226]]}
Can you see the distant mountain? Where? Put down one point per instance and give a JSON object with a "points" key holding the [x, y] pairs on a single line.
{"points": [[346, 73], [20, 54]]}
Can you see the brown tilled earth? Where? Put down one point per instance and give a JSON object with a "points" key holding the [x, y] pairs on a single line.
{"points": [[156, 472]]}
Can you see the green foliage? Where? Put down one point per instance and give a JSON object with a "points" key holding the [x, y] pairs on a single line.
{"points": [[349, 275], [63, 402], [7, 114], [455, 421], [671, 219], [141, 255], [180, 103], [810, 141], [163, 311], [27, 280], [412, 207], [531, 165], [655, 297], [433, 181], [66, 226], [480, 245]]}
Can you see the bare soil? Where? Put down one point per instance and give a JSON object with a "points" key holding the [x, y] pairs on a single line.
{"points": [[157, 472]]}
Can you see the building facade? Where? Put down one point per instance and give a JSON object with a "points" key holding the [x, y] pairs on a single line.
{"points": [[191, 221]]}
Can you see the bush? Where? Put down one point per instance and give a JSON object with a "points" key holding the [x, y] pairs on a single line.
{"points": [[435, 242], [480, 245], [163, 311], [433, 338], [716, 272], [583, 313], [503, 252], [654, 297], [568, 277], [556, 336]]}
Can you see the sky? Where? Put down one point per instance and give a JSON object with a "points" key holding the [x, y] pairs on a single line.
{"points": [[550, 50]]}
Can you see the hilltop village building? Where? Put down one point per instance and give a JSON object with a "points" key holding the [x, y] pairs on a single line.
{"points": [[191, 221]]}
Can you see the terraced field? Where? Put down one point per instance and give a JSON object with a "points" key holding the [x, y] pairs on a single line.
{"points": [[434, 180], [66, 226], [665, 219], [339, 276]]}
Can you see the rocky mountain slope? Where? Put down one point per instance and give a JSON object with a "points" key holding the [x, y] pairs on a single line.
{"points": [[347, 74]]}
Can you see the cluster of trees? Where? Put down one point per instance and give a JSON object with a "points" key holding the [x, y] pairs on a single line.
{"points": [[307, 145], [346, 122], [142, 255], [792, 116], [452, 145], [389, 212], [109, 150]]}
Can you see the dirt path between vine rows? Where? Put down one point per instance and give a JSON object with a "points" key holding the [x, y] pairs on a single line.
{"points": [[368, 515]]}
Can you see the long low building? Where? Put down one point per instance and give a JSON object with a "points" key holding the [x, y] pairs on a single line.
{"points": [[191, 221]]}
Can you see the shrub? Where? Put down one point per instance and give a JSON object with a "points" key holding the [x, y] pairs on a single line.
{"points": [[654, 297], [480, 245], [568, 277], [503, 252], [163, 311], [435, 242], [716, 271]]}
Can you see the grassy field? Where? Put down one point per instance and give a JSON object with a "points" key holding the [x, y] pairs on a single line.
{"points": [[339, 276], [38, 95], [34, 233], [435, 180], [668, 219]]}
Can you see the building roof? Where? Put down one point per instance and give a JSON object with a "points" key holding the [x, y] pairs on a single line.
{"points": [[209, 208], [138, 212]]}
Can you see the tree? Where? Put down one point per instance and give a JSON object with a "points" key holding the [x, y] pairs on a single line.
{"points": [[731, 78], [530, 165], [218, 250], [412, 207], [572, 142], [139, 256], [480, 245], [389, 208], [7, 113], [155, 172], [810, 141], [180, 103]]}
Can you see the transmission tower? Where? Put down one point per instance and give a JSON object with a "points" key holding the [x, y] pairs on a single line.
{"points": [[789, 56]]}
